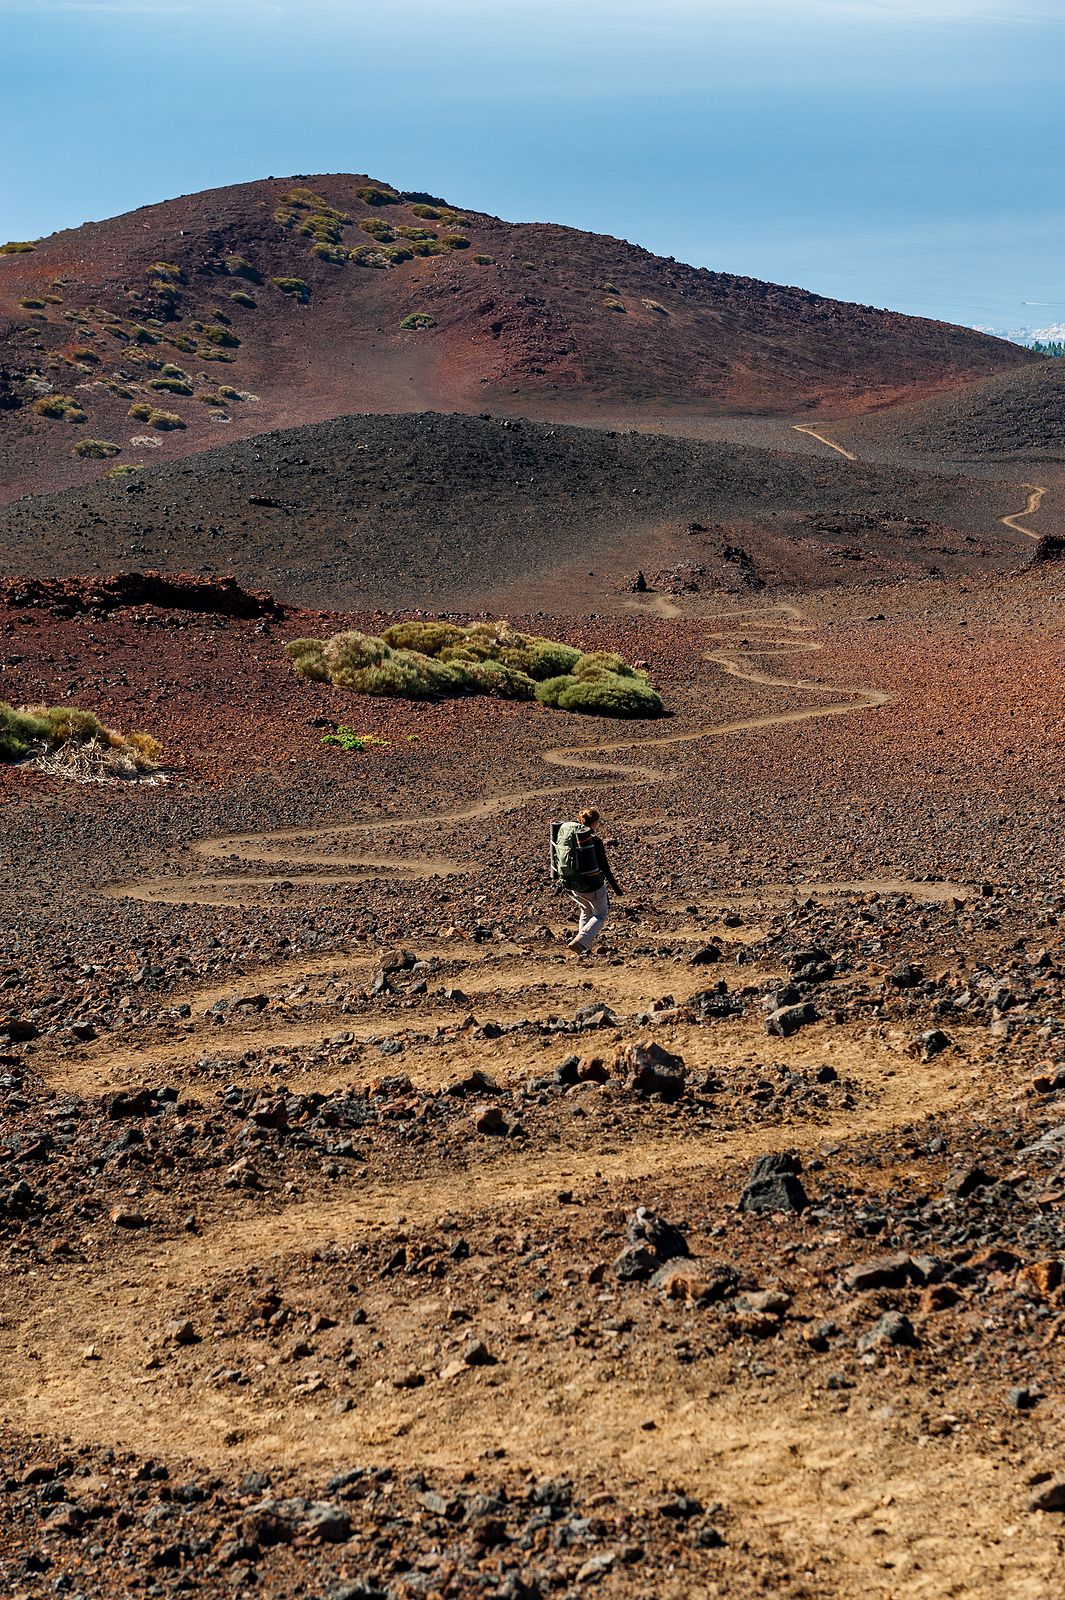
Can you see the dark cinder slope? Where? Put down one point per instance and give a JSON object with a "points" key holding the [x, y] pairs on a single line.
{"points": [[427, 510], [282, 302], [1015, 415]]}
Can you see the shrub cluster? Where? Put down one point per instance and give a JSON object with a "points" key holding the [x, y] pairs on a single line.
{"points": [[62, 738], [437, 660], [94, 449], [63, 407], [165, 421], [294, 287], [416, 320]]}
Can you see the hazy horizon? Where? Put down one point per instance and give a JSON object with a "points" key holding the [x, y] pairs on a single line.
{"points": [[879, 151]]}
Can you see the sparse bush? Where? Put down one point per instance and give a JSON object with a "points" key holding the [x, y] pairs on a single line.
{"points": [[165, 421], [610, 696], [416, 235], [426, 247], [485, 261], [166, 269], [115, 386], [73, 743], [241, 267], [612, 303], [398, 252], [346, 738], [62, 407], [430, 638], [240, 298], [334, 253], [82, 356], [308, 658], [373, 196], [222, 337], [378, 229], [32, 305], [655, 305], [171, 385], [430, 213], [52, 299], [416, 320], [124, 470], [94, 450], [16, 247], [455, 241], [294, 287], [366, 255]]}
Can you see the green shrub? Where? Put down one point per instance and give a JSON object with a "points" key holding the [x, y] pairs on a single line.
{"points": [[16, 247], [367, 255], [295, 287], [378, 229], [115, 386], [416, 235], [32, 305], [373, 196], [62, 407], [429, 638], [124, 470], [351, 652], [426, 247], [346, 738], [165, 421], [239, 298], [166, 269], [52, 299], [485, 261], [430, 213], [171, 385], [612, 303], [654, 305], [19, 730], [596, 663], [222, 337], [308, 658], [85, 747], [455, 241], [94, 449], [241, 267], [608, 696], [334, 253], [540, 659], [416, 320], [503, 681]]}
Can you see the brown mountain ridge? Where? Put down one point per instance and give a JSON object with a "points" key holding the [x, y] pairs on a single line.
{"points": [[288, 301]]}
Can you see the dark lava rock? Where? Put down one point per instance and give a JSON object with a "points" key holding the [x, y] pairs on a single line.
{"points": [[645, 1068], [786, 1020], [664, 1238], [773, 1185], [893, 1328]]}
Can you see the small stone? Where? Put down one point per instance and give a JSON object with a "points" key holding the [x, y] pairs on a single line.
{"points": [[893, 1328], [128, 1219], [181, 1331], [646, 1068], [1021, 1399], [786, 1020], [477, 1354], [489, 1119], [930, 1044], [773, 1185]]}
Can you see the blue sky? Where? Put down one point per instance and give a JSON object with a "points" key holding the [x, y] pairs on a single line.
{"points": [[905, 153]]}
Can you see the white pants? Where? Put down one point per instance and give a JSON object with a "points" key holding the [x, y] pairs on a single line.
{"points": [[594, 907]]}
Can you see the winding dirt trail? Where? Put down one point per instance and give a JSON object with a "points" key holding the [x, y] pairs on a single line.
{"points": [[770, 633], [1035, 497], [821, 439], [1036, 491]]}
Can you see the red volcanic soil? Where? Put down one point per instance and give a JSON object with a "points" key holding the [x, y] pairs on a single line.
{"points": [[533, 318]]}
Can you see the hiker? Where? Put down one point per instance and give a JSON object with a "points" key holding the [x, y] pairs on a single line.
{"points": [[578, 861]]}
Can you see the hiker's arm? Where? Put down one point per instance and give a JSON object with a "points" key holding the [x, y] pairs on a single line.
{"points": [[604, 867]]}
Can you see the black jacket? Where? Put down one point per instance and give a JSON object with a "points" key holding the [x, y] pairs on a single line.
{"points": [[595, 880]]}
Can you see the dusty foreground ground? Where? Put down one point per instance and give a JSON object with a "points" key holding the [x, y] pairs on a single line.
{"points": [[359, 1242]]}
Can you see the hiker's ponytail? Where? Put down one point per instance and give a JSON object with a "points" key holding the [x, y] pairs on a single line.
{"points": [[589, 817]]}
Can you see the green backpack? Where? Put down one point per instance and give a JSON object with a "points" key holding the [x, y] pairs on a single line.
{"points": [[573, 857]]}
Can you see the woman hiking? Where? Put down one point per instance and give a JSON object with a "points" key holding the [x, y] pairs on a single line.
{"points": [[578, 860]]}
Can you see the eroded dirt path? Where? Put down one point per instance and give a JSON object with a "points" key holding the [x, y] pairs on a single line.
{"points": [[770, 633]]}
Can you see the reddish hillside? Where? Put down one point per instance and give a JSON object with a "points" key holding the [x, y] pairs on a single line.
{"points": [[287, 301]]}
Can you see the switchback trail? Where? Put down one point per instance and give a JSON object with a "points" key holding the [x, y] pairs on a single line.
{"points": [[774, 632], [1036, 491]]}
